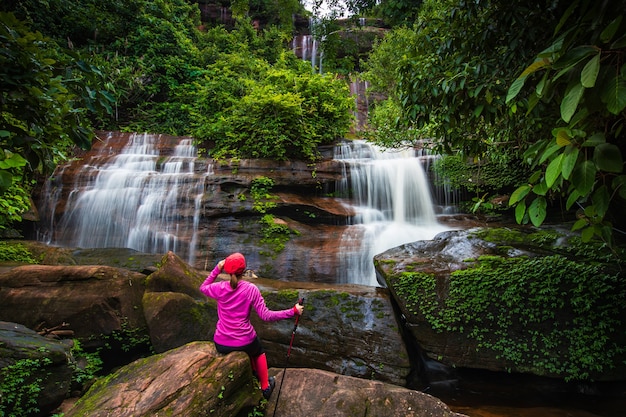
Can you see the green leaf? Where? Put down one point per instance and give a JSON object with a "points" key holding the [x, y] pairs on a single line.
{"points": [[579, 224], [519, 194], [520, 210], [600, 199], [515, 88], [609, 31], [583, 177], [574, 56], [590, 72], [608, 157], [6, 180], [595, 140], [587, 234], [4, 133], [569, 162], [549, 152], [554, 170], [614, 95], [541, 188], [619, 184], [537, 211], [573, 197], [570, 102]]}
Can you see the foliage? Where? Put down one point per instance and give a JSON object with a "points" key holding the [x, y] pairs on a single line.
{"points": [[581, 76], [485, 178], [564, 309], [16, 252], [260, 192], [46, 96], [21, 385], [284, 112], [93, 364], [274, 235]]}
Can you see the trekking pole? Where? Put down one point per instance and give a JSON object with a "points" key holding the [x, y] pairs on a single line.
{"points": [[293, 335]]}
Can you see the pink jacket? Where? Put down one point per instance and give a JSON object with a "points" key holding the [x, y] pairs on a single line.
{"points": [[233, 310]]}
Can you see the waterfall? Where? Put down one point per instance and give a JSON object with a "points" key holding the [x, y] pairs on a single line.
{"points": [[133, 200], [390, 194]]}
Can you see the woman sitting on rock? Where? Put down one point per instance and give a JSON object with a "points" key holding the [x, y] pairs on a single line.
{"points": [[233, 331]]}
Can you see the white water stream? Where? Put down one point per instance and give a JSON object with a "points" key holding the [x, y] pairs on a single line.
{"points": [[391, 195]]}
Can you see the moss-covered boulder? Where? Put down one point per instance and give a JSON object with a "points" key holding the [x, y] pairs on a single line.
{"points": [[193, 380], [35, 371], [514, 299]]}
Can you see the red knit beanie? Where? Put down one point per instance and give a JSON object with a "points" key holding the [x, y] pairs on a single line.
{"points": [[235, 264]]}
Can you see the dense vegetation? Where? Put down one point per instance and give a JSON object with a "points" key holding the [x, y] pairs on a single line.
{"points": [[68, 68], [459, 74]]}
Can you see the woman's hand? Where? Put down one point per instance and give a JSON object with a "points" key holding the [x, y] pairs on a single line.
{"points": [[299, 309], [220, 264]]}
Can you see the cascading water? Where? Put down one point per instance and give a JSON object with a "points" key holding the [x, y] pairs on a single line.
{"points": [[391, 196], [133, 200]]}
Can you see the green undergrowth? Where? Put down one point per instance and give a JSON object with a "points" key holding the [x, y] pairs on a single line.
{"points": [[550, 315], [16, 252]]}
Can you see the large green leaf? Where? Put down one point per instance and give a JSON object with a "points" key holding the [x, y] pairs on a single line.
{"points": [[614, 94], [569, 162], [519, 194], [595, 140], [520, 210], [537, 211], [6, 179], [589, 74], [600, 199], [583, 177], [570, 102], [573, 197], [607, 34], [574, 56], [608, 157], [554, 170]]}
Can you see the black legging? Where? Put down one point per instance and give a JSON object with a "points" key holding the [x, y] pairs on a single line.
{"points": [[253, 349]]}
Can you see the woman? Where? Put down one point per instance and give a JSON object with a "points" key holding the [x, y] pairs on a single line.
{"points": [[234, 332]]}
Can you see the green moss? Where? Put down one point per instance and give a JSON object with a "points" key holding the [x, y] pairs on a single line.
{"points": [[564, 309]]}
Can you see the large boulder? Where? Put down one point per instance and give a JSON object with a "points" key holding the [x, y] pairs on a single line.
{"points": [[175, 310], [530, 304], [35, 370], [313, 392], [193, 380], [92, 300]]}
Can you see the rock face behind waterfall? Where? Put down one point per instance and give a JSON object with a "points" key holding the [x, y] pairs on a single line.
{"points": [[220, 221]]}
